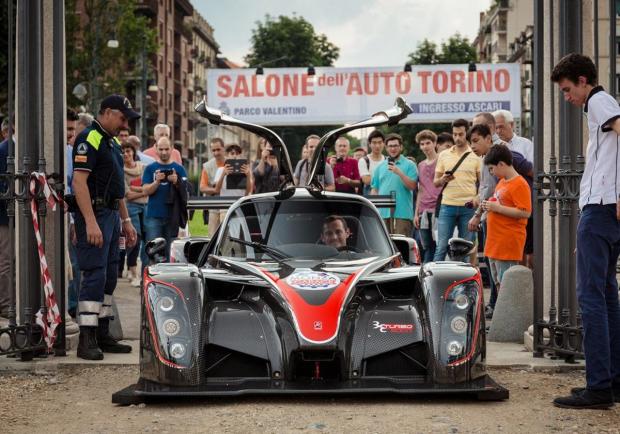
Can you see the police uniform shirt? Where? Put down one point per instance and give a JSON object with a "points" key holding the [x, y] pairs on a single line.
{"points": [[599, 183], [99, 153]]}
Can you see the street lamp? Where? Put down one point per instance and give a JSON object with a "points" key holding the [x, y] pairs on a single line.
{"points": [[259, 67]]}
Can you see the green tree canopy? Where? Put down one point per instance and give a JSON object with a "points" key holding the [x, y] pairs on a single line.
{"points": [[457, 49], [293, 39], [90, 61]]}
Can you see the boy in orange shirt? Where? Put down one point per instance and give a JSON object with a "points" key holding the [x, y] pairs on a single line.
{"points": [[508, 211]]}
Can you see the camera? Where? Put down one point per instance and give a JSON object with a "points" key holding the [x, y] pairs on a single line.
{"points": [[391, 161], [340, 160], [167, 172]]}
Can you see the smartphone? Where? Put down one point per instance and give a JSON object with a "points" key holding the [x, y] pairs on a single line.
{"points": [[167, 172]]}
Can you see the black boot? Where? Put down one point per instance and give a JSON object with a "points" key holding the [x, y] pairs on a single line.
{"points": [[591, 399], [615, 388], [106, 342], [88, 348]]}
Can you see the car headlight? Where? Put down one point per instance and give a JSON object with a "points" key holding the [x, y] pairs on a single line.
{"points": [[177, 350], [165, 304], [454, 348], [460, 322], [170, 324], [171, 327]]}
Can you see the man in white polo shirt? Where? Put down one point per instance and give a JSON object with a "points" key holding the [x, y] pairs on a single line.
{"points": [[505, 123], [598, 234]]}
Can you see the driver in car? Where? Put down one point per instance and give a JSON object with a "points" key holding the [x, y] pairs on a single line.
{"points": [[335, 232]]}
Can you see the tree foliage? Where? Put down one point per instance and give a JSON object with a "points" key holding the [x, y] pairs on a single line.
{"points": [[292, 39], [102, 69], [457, 49]]}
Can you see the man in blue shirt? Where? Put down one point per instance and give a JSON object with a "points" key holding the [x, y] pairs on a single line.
{"points": [[399, 175], [157, 180]]}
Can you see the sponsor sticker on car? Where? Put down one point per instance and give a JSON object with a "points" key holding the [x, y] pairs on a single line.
{"points": [[393, 328], [313, 280]]}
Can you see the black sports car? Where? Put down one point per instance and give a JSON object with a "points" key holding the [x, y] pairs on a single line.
{"points": [[304, 291]]}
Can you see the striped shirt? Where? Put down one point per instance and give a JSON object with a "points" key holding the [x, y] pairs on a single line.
{"points": [[600, 180]]}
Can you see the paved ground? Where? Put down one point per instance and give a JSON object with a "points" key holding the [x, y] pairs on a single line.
{"points": [[78, 401]]}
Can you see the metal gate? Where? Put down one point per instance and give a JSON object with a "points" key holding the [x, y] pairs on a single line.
{"points": [[558, 331], [22, 337]]}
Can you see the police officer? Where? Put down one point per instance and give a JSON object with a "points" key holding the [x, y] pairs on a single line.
{"points": [[98, 185]]}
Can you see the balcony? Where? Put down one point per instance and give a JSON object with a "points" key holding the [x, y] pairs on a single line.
{"points": [[147, 8]]}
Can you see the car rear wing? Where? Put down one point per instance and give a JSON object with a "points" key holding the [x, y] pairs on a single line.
{"points": [[391, 116], [217, 202], [217, 117]]}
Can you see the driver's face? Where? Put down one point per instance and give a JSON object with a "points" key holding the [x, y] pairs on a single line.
{"points": [[335, 234]]}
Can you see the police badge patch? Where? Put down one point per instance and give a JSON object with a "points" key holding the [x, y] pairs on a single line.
{"points": [[82, 148]]}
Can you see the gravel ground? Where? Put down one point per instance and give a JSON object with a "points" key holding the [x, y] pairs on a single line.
{"points": [[80, 401]]}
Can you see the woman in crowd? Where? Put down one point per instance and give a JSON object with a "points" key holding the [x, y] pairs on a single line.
{"points": [[136, 203]]}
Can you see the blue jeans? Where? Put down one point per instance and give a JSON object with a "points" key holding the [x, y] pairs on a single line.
{"points": [[428, 243], [492, 285], [136, 213], [449, 218], [598, 247], [159, 227]]}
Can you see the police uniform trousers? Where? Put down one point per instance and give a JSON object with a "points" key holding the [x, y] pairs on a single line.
{"points": [[99, 267]]}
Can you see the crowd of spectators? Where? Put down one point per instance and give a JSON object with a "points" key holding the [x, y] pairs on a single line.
{"points": [[474, 182]]}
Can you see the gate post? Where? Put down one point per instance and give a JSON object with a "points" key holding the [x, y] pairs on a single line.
{"points": [[29, 136]]}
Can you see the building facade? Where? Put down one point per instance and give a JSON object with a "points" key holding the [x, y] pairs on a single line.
{"points": [[505, 35], [171, 91]]}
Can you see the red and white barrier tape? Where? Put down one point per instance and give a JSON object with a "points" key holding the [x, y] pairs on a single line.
{"points": [[53, 317]]}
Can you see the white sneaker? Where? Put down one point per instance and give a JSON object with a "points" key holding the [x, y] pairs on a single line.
{"points": [[135, 282]]}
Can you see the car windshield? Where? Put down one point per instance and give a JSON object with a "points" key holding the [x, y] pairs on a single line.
{"points": [[326, 230]]}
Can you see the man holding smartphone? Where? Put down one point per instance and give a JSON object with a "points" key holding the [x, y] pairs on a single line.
{"points": [[459, 188], [398, 175], [157, 180]]}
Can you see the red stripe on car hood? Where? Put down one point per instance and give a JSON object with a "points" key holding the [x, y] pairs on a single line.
{"points": [[317, 324]]}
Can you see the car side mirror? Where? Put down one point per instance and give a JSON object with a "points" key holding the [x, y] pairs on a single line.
{"points": [[408, 248], [193, 249], [459, 249], [156, 250]]}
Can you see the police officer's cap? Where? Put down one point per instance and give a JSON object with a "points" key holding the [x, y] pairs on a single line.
{"points": [[121, 103]]}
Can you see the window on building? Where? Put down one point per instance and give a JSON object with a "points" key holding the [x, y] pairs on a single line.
{"points": [[161, 30], [618, 46], [617, 82], [169, 69], [618, 8]]}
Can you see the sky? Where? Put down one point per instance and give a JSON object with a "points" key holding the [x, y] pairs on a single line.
{"points": [[368, 32]]}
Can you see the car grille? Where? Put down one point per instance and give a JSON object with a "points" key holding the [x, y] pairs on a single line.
{"points": [[411, 360]]}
